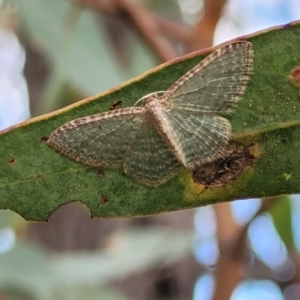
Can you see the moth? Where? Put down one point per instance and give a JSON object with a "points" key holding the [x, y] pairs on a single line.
{"points": [[184, 127]]}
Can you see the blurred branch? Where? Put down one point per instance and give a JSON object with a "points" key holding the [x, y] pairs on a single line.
{"points": [[205, 29], [232, 244], [174, 30], [233, 250], [155, 30], [233, 240], [102, 5], [150, 27], [228, 270], [240, 241], [146, 25]]}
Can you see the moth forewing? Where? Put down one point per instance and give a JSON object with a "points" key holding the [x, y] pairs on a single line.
{"points": [[99, 140], [216, 84]]}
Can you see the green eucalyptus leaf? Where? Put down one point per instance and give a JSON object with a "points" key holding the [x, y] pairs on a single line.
{"points": [[35, 180]]}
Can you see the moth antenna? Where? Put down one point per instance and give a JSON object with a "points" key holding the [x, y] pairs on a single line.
{"points": [[148, 95]]}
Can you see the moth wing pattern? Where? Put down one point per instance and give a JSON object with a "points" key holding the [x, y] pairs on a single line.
{"points": [[201, 137], [99, 140], [149, 160], [216, 84]]}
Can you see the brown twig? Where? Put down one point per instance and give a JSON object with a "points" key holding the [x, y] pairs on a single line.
{"points": [[205, 28], [240, 241], [146, 25], [150, 27], [108, 6], [174, 30], [232, 244]]}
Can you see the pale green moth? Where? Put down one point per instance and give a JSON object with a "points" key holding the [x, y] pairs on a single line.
{"points": [[179, 129]]}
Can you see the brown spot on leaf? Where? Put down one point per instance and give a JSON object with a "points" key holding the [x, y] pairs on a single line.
{"points": [[295, 77], [101, 174], [104, 199], [116, 105], [235, 160], [11, 161], [296, 73], [44, 140]]}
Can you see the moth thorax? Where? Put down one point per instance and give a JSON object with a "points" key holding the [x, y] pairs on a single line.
{"points": [[154, 108]]}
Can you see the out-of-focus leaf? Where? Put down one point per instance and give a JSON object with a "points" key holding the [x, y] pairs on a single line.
{"points": [[11, 219], [90, 66], [32, 272], [282, 217], [128, 252], [26, 268], [86, 292], [5, 218]]}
